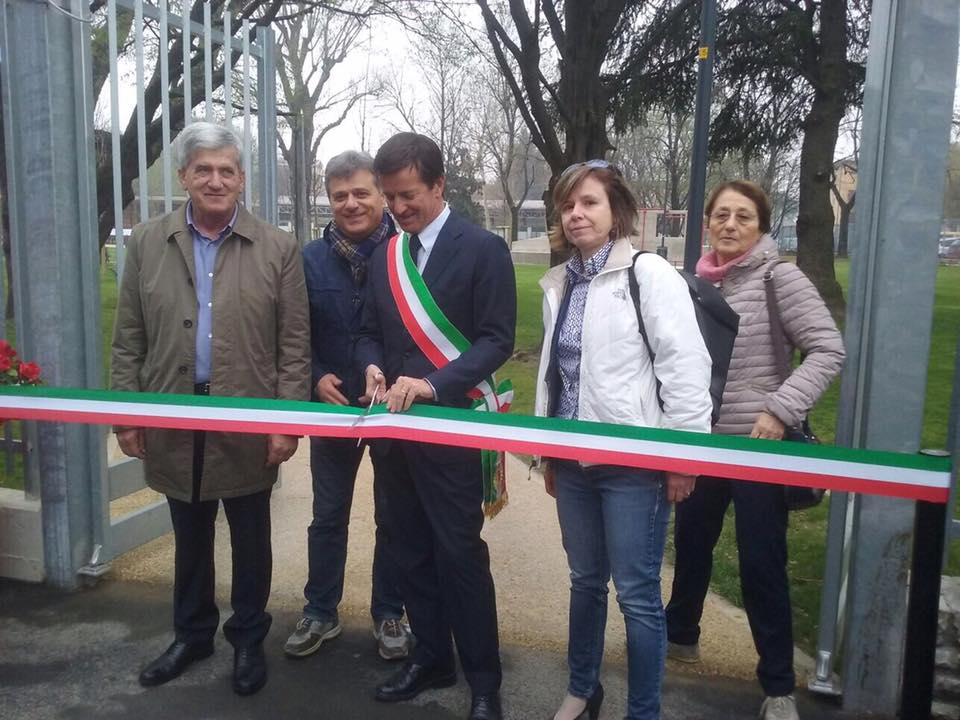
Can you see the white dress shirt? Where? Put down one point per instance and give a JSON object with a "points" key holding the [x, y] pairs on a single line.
{"points": [[428, 236]]}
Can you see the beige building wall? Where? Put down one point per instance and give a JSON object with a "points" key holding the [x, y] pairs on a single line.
{"points": [[846, 179]]}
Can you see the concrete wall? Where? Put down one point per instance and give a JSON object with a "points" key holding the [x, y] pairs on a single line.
{"points": [[21, 537]]}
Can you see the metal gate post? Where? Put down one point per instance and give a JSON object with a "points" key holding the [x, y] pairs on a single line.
{"points": [[911, 72], [48, 125], [267, 124]]}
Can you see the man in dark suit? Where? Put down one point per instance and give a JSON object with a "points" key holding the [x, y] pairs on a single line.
{"points": [[434, 492]]}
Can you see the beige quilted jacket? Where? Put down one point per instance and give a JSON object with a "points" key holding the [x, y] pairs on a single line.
{"points": [[754, 382]]}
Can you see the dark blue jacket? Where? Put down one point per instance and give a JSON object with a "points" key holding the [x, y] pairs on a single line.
{"points": [[470, 275], [336, 303]]}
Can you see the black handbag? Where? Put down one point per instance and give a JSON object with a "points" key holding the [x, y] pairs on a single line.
{"points": [[796, 497]]}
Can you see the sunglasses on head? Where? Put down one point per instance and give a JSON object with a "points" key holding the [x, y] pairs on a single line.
{"points": [[595, 164]]}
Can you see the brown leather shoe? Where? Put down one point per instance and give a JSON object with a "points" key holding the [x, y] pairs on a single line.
{"points": [[174, 660]]}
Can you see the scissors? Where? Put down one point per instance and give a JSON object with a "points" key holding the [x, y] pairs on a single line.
{"points": [[373, 399]]}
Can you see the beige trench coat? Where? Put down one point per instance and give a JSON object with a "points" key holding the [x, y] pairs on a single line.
{"points": [[261, 343]]}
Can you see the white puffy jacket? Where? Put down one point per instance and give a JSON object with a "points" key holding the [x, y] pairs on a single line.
{"points": [[617, 381]]}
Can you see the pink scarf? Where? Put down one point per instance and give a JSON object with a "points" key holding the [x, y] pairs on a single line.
{"points": [[709, 270]]}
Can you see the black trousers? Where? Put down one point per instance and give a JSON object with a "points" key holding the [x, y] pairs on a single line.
{"points": [[195, 613], [761, 527], [433, 500]]}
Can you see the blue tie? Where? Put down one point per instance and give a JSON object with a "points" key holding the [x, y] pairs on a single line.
{"points": [[415, 247]]}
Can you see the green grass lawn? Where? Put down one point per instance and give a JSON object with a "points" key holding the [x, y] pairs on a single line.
{"points": [[808, 529]]}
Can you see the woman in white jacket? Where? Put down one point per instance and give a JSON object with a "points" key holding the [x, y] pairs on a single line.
{"points": [[595, 366]]}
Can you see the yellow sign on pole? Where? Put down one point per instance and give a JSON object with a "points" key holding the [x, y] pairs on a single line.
{"points": [[704, 53]]}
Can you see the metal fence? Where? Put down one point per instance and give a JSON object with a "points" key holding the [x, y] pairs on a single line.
{"points": [[49, 125]]}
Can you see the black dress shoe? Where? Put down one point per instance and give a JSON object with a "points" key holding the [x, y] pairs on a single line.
{"points": [[486, 707], [174, 661], [249, 670], [412, 679]]}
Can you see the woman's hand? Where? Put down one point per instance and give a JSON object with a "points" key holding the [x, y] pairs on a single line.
{"points": [[769, 427], [679, 487]]}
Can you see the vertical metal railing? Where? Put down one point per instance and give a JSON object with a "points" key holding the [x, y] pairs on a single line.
{"points": [[267, 123], [141, 117], [115, 133], [164, 59], [117, 535], [187, 68], [228, 73], [208, 61], [248, 185]]}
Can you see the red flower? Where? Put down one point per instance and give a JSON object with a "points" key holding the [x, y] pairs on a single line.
{"points": [[29, 373], [6, 350], [5, 363]]}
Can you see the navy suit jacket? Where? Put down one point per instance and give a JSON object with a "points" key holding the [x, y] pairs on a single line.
{"points": [[470, 275]]}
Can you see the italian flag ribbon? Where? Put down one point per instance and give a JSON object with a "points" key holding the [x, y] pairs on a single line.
{"points": [[915, 477], [442, 342]]}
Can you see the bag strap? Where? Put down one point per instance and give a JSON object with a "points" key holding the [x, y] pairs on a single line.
{"points": [[776, 325], [635, 294]]}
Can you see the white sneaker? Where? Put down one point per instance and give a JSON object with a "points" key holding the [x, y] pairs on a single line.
{"points": [[394, 638], [779, 708]]}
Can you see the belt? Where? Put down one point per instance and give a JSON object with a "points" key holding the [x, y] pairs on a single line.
{"points": [[201, 388]]}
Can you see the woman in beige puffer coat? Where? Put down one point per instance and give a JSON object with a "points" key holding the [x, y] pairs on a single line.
{"points": [[757, 402]]}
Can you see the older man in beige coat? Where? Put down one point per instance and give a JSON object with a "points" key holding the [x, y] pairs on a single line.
{"points": [[213, 302]]}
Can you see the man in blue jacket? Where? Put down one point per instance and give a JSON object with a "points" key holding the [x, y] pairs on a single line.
{"points": [[336, 269]]}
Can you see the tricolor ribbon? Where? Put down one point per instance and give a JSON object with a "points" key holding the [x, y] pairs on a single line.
{"points": [[916, 477]]}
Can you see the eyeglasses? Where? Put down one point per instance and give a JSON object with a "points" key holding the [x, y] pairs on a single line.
{"points": [[595, 164], [721, 216]]}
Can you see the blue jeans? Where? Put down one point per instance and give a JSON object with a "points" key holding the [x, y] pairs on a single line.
{"points": [[614, 520], [333, 465]]}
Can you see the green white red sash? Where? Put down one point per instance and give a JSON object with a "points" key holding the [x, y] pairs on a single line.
{"points": [[442, 342], [916, 477]]}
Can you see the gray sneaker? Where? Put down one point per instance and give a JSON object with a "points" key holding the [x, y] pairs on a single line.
{"points": [[394, 638], [309, 636], [683, 653], [783, 707]]}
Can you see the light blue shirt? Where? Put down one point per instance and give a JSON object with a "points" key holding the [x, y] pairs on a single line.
{"points": [[428, 237], [204, 259]]}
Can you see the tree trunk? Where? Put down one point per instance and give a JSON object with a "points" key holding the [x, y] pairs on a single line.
{"points": [[846, 210], [821, 128], [514, 223]]}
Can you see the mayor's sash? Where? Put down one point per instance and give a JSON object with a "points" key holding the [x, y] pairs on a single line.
{"points": [[441, 342]]}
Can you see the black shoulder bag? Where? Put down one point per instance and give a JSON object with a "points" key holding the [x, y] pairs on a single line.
{"points": [[797, 498]]}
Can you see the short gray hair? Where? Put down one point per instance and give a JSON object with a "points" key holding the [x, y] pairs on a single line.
{"points": [[205, 136], [346, 164]]}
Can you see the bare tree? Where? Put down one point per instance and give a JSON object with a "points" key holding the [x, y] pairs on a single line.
{"points": [[312, 44], [507, 148], [573, 65], [655, 156], [258, 12], [446, 107]]}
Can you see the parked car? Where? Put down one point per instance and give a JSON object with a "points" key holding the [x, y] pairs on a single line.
{"points": [[949, 248]]}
